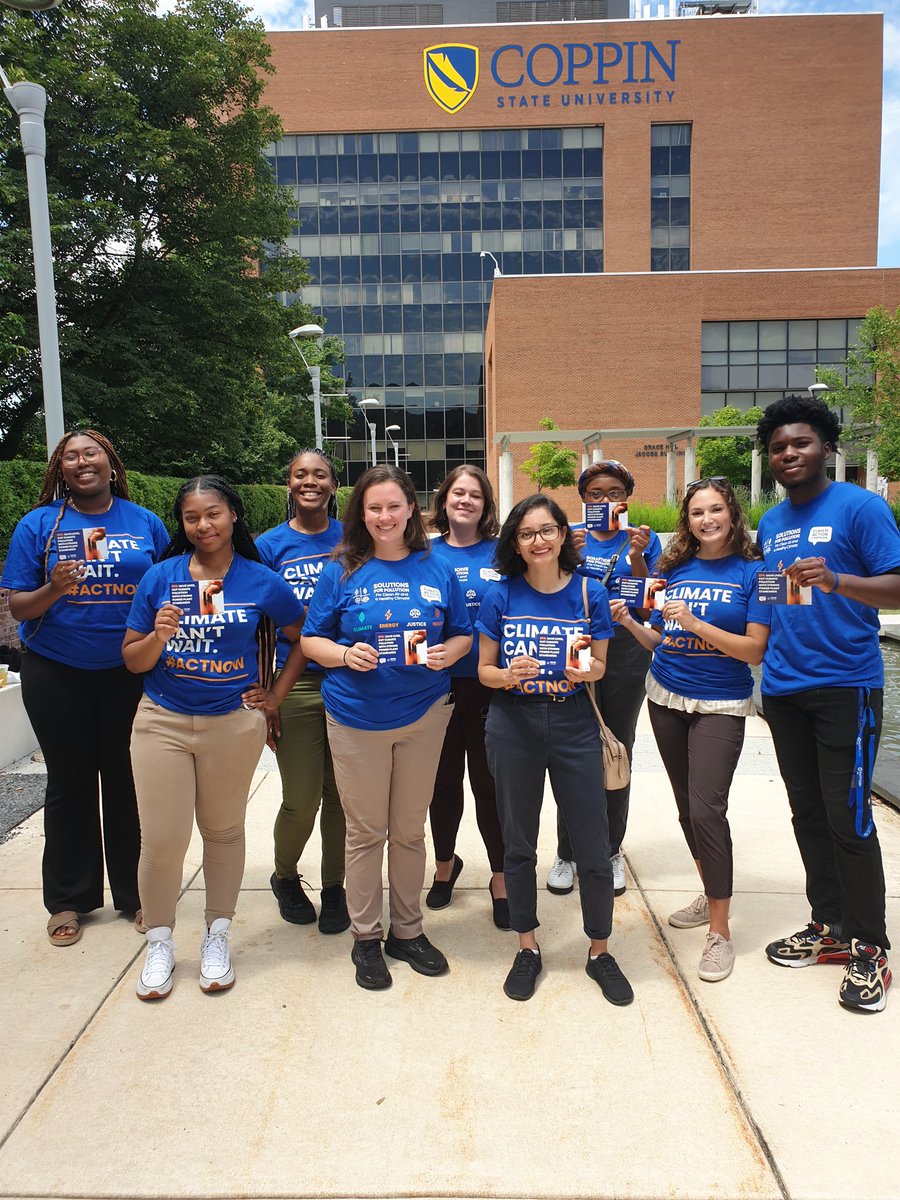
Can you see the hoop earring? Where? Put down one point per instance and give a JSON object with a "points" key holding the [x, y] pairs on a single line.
{"points": [[113, 476]]}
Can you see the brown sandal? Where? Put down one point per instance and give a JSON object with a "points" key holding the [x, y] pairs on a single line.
{"points": [[139, 925], [64, 921]]}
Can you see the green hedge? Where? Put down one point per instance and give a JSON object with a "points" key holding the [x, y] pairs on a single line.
{"points": [[20, 485]]}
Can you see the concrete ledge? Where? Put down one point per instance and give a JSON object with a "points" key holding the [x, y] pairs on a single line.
{"points": [[17, 738]]}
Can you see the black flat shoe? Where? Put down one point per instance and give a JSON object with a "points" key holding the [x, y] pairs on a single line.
{"points": [[441, 892], [501, 908]]}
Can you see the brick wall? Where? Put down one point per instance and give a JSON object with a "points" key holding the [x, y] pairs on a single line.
{"points": [[9, 631], [624, 351]]}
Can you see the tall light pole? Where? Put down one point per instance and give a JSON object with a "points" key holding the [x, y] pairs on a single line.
{"points": [[487, 254], [315, 373], [371, 402], [29, 102], [388, 430]]}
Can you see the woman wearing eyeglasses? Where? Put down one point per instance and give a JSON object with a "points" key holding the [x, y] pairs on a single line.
{"points": [[607, 555], [700, 689], [541, 722], [73, 566]]}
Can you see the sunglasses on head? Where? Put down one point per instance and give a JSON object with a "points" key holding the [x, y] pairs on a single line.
{"points": [[699, 483]]}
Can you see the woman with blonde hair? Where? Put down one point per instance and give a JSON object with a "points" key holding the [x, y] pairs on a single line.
{"points": [[73, 566]]}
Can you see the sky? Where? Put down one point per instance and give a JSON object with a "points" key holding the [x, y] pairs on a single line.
{"points": [[289, 14]]}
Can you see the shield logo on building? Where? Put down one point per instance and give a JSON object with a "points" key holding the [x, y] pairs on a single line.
{"points": [[451, 75]]}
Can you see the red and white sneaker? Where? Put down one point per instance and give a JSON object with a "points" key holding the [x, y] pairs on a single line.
{"points": [[817, 943]]}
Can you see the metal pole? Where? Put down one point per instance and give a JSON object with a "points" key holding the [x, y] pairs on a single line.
{"points": [[371, 425], [755, 474], [315, 375], [29, 100]]}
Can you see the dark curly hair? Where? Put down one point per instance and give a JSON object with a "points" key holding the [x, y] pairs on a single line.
{"points": [[799, 410], [243, 545], [356, 546], [506, 558], [489, 523], [683, 545]]}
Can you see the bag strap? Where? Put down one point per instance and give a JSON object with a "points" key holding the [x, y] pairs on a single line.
{"points": [[589, 687], [610, 568]]}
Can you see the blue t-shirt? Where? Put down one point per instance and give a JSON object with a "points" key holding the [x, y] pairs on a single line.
{"points": [[212, 659], [375, 603], [84, 629], [596, 555], [832, 642], [299, 559], [525, 621], [721, 591], [474, 567]]}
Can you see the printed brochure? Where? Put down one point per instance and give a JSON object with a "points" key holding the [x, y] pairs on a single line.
{"points": [[402, 647], [87, 544], [641, 592], [606, 515], [198, 598], [774, 587]]}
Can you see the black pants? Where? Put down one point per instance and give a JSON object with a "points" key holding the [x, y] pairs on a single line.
{"points": [[700, 752], [82, 720], [527, 739], [620, 694], [464, 742], [815, 737]]}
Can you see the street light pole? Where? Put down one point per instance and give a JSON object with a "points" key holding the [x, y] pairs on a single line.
{"points": [[388, 430], [29, 101], [371, 402]]}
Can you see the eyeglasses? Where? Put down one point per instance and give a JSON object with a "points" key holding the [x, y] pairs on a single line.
{"points": [[91, 455], [597, 494], [549, 533], [699, 483]]}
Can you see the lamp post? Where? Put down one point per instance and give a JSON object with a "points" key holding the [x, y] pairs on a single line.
{"points": [[29, 102], [371, 402], [388, 430], [315, 373], [487, 254]]}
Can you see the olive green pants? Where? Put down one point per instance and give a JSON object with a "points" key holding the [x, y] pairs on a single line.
{"points": [[307, 781]]}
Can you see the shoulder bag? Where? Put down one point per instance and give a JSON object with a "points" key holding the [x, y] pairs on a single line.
{"points": [[616, 767]]}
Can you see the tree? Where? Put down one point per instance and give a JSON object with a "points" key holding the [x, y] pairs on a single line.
{"points": [[161, 204], [868, 383], [728, 456], [548, 464]]}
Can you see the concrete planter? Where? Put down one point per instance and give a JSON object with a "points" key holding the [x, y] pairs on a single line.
{"points": [[16, 735]]}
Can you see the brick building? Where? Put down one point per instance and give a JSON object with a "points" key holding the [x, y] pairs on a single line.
{"points": [[684, 212]]}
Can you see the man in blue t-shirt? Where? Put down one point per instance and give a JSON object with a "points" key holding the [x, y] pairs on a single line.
{"points": [[823, 685]]}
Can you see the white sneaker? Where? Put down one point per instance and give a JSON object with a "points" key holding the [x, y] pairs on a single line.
{"points": [[561, 879], [717, 959], [155, 979], [693, 914], [216, 971], [618, 866]]}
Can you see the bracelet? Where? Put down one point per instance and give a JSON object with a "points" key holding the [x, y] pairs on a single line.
{"points": [[837, 584], [344, 660]]}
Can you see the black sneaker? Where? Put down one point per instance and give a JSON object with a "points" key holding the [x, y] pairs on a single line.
{"points": [[866, 978], [605, 971], [817, 943], [523, 975], [371, 969], [418, 952], [334, 917], [293, 903]]}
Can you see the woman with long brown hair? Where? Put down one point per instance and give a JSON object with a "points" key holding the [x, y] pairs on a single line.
{"points": [[700, 690], [74, 564], [386, 719], [465, 516]]}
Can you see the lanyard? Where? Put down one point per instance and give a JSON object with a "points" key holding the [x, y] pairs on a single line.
{"points": [[863, 766]]}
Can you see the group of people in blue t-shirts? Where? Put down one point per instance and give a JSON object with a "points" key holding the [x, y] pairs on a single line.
{"points": [[383, 656]]}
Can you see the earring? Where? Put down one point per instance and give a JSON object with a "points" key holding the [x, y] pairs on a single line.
{"points": [[113, 476]]}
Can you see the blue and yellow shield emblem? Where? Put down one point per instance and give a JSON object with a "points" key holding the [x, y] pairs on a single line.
{"points": [[451, 75]]}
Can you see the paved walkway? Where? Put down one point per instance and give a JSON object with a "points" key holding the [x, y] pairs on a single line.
{"points": [[299, 1084]]}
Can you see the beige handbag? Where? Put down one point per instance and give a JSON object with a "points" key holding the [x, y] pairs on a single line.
{"points": [[616, 767]]}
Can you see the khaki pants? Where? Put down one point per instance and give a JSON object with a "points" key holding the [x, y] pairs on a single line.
{"points": [[185, 765], [385, 778]]}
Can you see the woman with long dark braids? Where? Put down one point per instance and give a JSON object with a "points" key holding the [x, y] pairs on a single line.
{"points": [[298, 549], [201, 724], [73, 566]]}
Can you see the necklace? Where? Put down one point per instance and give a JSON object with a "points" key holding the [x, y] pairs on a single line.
{"points": [[72, 504], [196, 560]]}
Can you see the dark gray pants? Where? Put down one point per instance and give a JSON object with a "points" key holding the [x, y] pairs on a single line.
{"points": [[620, 694], [700, 752], [527, 739]]}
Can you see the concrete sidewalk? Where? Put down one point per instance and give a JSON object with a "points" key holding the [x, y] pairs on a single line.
{"points": [[299, 1084]]}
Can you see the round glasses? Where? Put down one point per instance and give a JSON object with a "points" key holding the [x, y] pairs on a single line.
{"points": [[597, 495], [547, 533]]}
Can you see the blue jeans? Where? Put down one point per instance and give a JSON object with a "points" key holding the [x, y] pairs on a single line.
{"points": [[527, 739]]}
